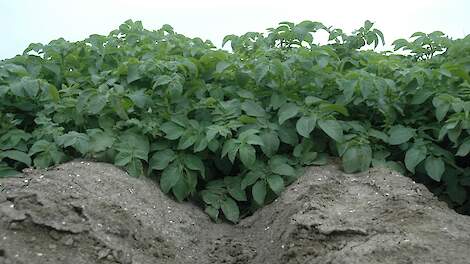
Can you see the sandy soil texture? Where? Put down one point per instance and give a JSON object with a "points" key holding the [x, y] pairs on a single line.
{"points": [[84, 212]]}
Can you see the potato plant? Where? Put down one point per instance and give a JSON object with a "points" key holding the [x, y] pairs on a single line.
{"points": [[232, 128]]}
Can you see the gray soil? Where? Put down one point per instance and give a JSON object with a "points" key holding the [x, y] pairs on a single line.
{"points": [[84, 212]]}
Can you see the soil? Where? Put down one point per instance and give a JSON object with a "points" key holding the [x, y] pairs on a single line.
{"points": [[86, 212]]}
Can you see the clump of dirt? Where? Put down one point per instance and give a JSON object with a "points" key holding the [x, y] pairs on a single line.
{"points": [[86, 212]]}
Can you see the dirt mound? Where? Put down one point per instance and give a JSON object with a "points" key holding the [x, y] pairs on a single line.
{"points": [[85, 212]]}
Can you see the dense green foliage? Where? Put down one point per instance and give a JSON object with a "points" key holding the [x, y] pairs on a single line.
{"points": [[233, 128]]}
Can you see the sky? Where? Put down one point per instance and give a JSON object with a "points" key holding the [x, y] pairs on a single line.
{"points": [[26, 21]]}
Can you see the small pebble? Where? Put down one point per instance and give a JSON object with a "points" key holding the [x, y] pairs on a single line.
{"points": [[68, 242], [54, 234], [15, 226], [103, 253]]}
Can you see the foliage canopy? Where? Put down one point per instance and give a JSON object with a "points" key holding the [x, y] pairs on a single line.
{"points": [[233, 128]]}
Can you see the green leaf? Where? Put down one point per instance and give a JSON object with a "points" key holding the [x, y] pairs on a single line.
{"points": [[378, 134], [137, 145], [276, 183], [441, 111], [282, 169], [288, 135], [211, 198], [368, 25], [327, 107], [414, 156], [133, 73], [305, 125], [322, 61], [122, 159], [200, 144], [180, 190], [250, 178], [434, 167], [322, 159], [135, 168], [247, 155], [421, 96], [332, 128], [46, 153], [311, 100], [400, 134], [139, 98], [39, 146], [277, 101], [230, 210], [464, 148], [191, 180], [250, 137], [221, 66], [13, 138], [253, 109], [16, 155], [170, 176], [259, 192], [195, 163], [213, 145], [172, 130], [247, 119], [186, 141], [96, 104], [118, 107], [53, 92], [212, 212], [233, 185], [99, 140], [457, 193], [42, 160], [357, 158], [6, 171], [79, 141], [230, 147], [270, 143], [162, 80], [254, 140], [261, 70], [161, 159], [26, 87], [381, 35], [287, 111]]}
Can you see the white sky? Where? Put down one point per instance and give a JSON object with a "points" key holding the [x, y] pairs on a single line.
{"points": [[26, 21]]}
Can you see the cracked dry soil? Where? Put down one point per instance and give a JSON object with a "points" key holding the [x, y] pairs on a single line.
{"points": [[86, 212]]}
